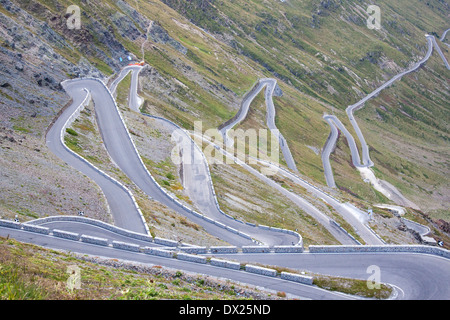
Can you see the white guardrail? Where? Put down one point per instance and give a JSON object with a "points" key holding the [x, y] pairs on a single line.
{"points": [[189, 248], [383, 248]]}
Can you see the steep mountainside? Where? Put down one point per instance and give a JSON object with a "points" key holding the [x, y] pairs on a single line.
{"points": [[203, 56]]}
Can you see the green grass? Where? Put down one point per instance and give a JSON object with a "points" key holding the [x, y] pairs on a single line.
{"points": [[170, 176], [12, 287], [73, 144], [28, 213], [122, 91]]}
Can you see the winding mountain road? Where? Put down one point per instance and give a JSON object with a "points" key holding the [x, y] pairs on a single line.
{"points": [[121, 149], [302, 203], [413, 276], [357, 218], [134, 101], [270, 84], [119, 199], [444, 34], [335, 123], [198, 184]]}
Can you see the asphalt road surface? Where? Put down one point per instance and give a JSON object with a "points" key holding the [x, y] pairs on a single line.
{"points": [[121, 149]]}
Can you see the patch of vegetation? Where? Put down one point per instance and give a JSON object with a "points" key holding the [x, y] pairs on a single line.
{"points": [[72, 143], [71, 132]]}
